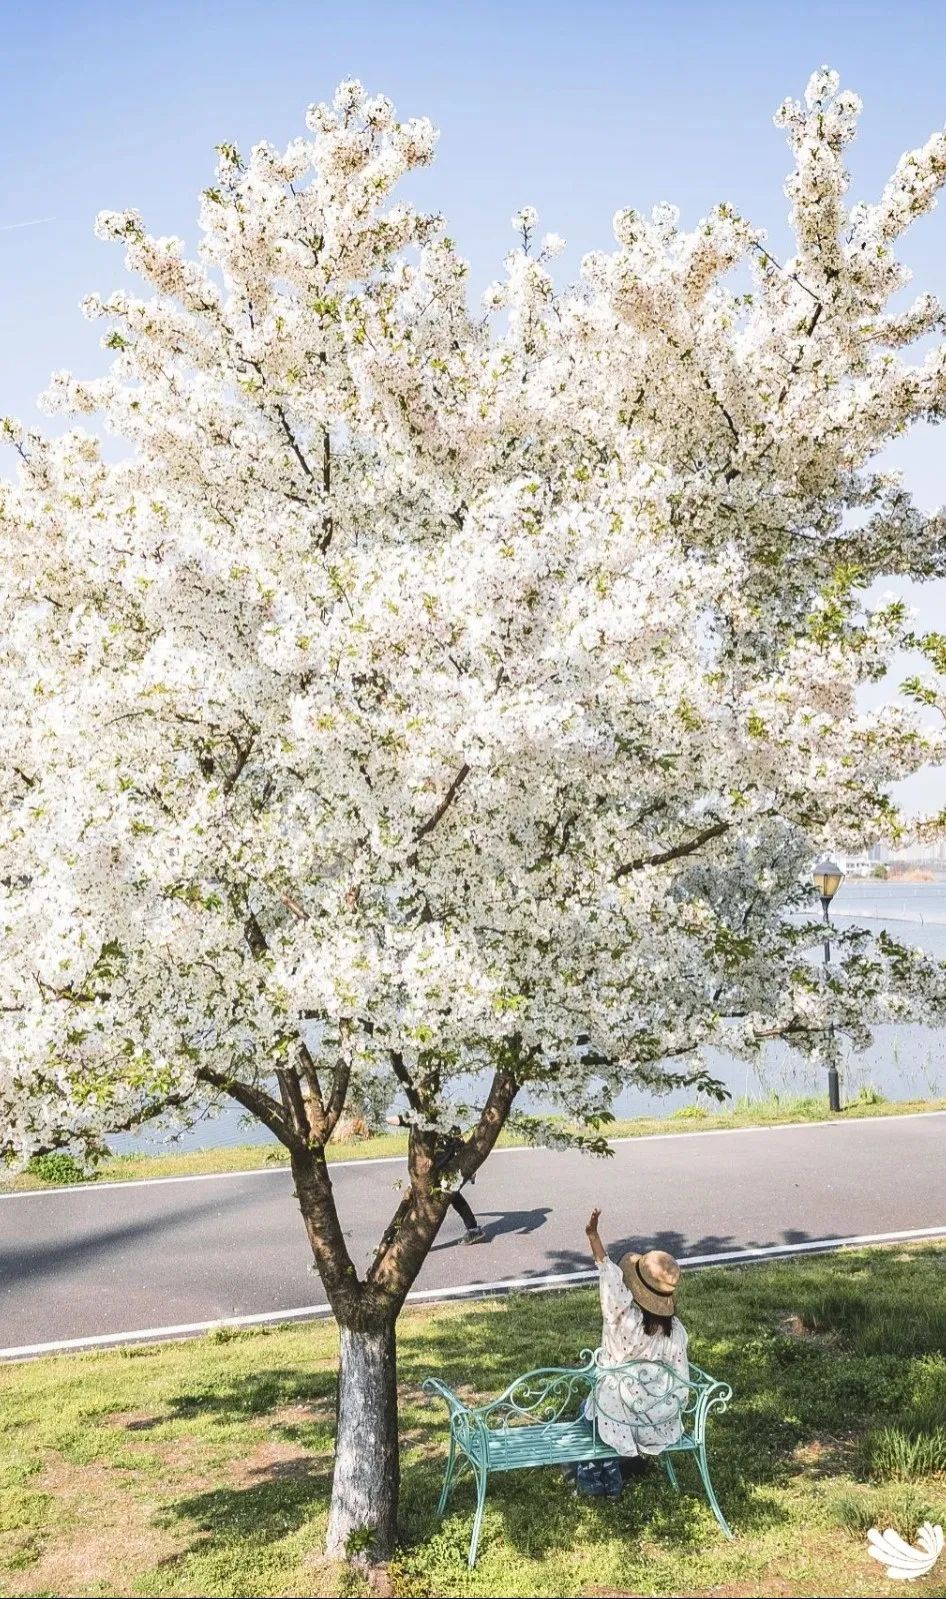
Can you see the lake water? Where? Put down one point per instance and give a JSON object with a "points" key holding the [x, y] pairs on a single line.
{"points": [[904, 1062]]}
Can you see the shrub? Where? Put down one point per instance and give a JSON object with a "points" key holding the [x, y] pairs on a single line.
{"points": [[58, 1168]]}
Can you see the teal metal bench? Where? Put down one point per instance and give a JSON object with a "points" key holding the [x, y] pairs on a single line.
{"points": [[538, 1421]]}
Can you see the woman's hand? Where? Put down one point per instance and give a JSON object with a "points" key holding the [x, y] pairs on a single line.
{"points": [[597, 1247]]}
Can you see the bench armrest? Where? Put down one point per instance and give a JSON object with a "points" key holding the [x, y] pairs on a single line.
{"points": [[713, 1395], [467, 1429], [439, 1390]]}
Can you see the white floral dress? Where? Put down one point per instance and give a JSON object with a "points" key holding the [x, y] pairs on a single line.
{"points": [[637, 1416]]}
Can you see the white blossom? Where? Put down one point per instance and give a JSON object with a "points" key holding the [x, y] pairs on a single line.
{"points": [[468, 694]]}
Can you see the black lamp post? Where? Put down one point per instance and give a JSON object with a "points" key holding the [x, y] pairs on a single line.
{"points": [[827, 878]]}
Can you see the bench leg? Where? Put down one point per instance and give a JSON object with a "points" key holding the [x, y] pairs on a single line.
{"points": [[448, 1477], [480, 1474], [671, 1474], [710, 1491]]}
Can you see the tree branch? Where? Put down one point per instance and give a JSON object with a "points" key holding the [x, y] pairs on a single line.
{"points": [[243, 752], [291, 441], [293, 1103], [328, 525], [323, 1229], [252, 931], [311, 1076], [445, 803], [257, 1102], [478, 1145], [341, 1077], [678, 852], [406, 1081], [412, 1230]]}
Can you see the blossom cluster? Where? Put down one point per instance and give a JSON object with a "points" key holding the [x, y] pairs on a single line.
{"points": [[454, 690]]}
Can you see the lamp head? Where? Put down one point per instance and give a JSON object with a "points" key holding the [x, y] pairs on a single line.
{"points": [[827, 877]]}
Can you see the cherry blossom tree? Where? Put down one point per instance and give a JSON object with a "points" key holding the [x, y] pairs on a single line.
{"points": [[444, 704]]}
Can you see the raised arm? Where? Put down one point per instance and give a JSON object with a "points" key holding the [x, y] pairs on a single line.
{"points": [[594, 1237]]}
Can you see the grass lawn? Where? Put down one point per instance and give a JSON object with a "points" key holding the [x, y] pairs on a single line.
{"points": [[204, 1467], [52, 1172]]}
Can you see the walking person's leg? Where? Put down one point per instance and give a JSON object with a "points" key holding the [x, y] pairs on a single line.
{"points": [[474, 1232]]}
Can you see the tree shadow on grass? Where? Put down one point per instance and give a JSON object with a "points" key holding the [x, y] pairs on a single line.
{"points": [[537, 1513], [272, 1503], [259, 1394], [843, 1370], [282, 1480]]}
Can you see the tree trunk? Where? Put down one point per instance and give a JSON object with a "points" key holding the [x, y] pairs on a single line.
{"points": [[363, 1511], [363, 1514]]}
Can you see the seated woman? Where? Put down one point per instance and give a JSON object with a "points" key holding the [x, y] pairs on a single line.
{"points": [[640, 1415]]}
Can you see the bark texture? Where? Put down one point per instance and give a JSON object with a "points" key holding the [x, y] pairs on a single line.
{"points": [[363, 1515]]}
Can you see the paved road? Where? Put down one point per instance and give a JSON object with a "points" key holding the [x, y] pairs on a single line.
{"points": [[166, 1254]]}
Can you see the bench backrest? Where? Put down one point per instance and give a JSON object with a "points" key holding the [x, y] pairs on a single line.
{"points": [[643, 1392]]}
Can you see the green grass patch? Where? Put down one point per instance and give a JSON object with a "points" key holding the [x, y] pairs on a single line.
{"points": [[47, 1171], [204, 1467], [894, 1454]]}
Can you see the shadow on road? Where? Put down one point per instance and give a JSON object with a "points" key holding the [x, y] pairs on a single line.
{"points": [[497, 1222], [553, 1261], [29, 1262]]}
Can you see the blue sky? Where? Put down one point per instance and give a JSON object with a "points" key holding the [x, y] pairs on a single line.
{"points": [[577, 109]]}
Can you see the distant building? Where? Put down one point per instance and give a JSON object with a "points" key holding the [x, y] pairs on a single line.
{"points": [[857, 865]]}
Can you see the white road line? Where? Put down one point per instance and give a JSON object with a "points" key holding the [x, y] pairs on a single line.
{"points": [[508, 1285], [164, 1182], [515, 1149]]}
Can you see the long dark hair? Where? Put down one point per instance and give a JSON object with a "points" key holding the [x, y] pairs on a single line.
{"points": [[656, 1324]]}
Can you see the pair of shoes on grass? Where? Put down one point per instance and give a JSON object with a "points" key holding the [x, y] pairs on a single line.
{"points": [[631, 1468], [474, 1235]]}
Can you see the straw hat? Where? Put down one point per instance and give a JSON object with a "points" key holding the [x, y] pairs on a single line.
{"points": [[652, 1279]]}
